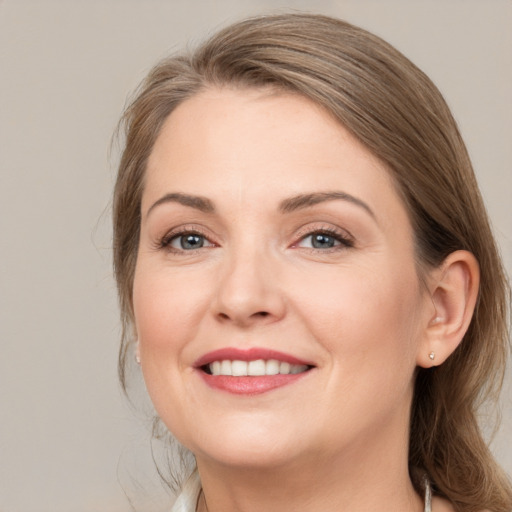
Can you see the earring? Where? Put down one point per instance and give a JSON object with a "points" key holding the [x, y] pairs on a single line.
{"points": [[432, 355], [137, 353]]}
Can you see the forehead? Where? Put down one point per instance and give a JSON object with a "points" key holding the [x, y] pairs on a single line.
{"points": [[260, 145]]}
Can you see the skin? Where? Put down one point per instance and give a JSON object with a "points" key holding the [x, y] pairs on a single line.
{"points": [[336, 439]]}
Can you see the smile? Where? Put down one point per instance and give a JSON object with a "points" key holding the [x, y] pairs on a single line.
{"points": [[255, 368], [251, 371]]}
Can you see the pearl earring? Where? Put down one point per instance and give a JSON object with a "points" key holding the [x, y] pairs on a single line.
{"points": [[432, 356], [137, 353]]}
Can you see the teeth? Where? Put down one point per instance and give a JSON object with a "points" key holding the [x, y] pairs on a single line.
{"points": [[225, 368], [284, 368], [239, 368], [257, 368], [272, 367], [215, 368]]}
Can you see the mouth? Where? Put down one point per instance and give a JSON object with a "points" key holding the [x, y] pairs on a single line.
{"points": [[250, 372], [255, 368]]}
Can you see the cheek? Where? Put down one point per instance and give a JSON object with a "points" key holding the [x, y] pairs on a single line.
{"points": [[364, 312], [168, 307], [367, 323]]}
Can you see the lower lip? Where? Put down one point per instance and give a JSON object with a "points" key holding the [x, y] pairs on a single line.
{"points": [[250, 385]]}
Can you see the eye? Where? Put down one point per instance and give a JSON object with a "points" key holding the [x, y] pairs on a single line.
{"points": [[325, 239], [185, 241], [188, 242]]}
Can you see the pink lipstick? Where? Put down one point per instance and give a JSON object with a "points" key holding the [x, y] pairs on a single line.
{"points": [[251, 371]]}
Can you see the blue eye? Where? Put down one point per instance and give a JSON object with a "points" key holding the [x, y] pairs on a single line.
{"points": [[322, 241], [325, 240], [186, 242]]}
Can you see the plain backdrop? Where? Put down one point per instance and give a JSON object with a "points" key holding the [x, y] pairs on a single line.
{"points": [[69, 442]]}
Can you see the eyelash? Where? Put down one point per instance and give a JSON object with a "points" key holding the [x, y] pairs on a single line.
{"points": [[344, 239]]}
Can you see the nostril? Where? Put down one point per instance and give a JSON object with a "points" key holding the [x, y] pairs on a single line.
{"points": [[259, 314]]}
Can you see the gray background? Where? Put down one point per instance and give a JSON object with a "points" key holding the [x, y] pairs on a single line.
{"points": [[68, 439]]}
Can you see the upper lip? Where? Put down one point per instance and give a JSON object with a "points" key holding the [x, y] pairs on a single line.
{"points": [[250, 354]]}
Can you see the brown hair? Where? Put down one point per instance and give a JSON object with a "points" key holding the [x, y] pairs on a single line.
{"points": [[401, 117]]}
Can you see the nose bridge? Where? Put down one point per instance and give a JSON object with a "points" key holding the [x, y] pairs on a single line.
{"points": [[248, 288]]}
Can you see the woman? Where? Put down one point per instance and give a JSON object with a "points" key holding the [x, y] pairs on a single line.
{"points": [[307, 275]]}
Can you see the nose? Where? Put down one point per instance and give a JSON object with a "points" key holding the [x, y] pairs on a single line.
{"points": [[249, 292]]}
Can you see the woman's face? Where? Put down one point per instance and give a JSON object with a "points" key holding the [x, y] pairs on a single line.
{"points": [[273, 241]]}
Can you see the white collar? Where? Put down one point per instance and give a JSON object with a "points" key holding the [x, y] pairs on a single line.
{"points": [[187, 500]]}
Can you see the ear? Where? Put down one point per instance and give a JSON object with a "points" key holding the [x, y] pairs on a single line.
{"points": [[453, 290]]}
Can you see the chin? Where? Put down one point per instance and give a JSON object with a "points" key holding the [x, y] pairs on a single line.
{"points": [[245, 448], [248, 458]]}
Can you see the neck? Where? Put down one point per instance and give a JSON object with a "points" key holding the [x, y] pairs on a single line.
{"points": [[371, 481]]}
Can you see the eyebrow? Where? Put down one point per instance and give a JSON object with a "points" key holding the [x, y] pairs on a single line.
{"points": [[199, 203], [289, 205], [306, 200]]}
